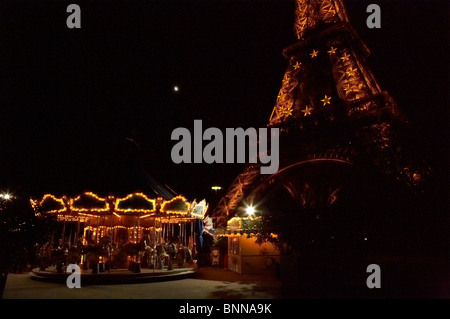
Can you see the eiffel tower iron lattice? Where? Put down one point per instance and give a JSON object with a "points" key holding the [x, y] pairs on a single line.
{"points": [[330, 109]]}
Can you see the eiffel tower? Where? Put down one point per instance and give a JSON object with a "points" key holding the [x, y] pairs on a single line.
{"points": [[334, 119], [346, 181]]}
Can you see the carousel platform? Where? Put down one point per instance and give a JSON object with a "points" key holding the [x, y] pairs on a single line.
{"points": [[115, 276]]}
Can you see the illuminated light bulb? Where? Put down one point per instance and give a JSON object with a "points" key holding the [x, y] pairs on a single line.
{"points": [[6, 196], [176, 88], [250, 210]]}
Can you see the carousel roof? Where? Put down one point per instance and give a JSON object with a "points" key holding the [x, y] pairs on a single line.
{"points": [[88, 204]]}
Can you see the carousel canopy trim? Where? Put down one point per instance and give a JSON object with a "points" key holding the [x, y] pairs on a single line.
{"points": [[89, 205], [135, 203], [49, 204], [89, 202], [177, 205]]}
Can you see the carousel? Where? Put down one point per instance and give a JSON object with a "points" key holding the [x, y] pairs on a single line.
{"points": [[131, 237]]}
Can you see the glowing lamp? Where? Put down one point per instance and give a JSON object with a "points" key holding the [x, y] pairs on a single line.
{"points": [[250, 210]]}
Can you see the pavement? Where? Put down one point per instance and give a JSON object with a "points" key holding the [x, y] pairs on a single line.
{"points": [[401, 278], [209, 283]]}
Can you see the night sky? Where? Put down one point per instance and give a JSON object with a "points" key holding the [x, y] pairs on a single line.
{"points": [[71, 99]]}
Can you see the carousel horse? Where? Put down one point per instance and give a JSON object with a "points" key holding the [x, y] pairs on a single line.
{"points": [[148, 251], [74, 255], [161, 255], [184, 255], [171, 250], [166, 252], [145, 251], [101, 249], [132, 249], [136, 251], [93, 252]]}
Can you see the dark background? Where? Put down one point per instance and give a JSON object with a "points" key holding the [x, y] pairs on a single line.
{"points": [[70, 98]]}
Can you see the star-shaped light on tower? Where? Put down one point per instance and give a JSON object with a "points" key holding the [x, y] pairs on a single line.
{"points": [[351, 71], [347, 88], [326, 100], [281, 97], [285, 111], [332, 50], [297, 65], [314, 54], [307, 111], [346, 57]]}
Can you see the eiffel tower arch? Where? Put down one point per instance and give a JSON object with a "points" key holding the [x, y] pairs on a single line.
{"points": [[345, 177]]}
